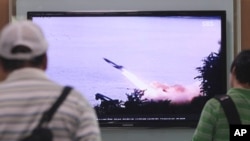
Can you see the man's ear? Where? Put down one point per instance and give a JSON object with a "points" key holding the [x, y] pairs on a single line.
{"points": [[233, 71], [3, 74], [45, 62], [233, 81]]}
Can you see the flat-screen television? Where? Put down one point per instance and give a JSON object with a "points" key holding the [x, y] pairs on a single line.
{"points": [[139, 68]]}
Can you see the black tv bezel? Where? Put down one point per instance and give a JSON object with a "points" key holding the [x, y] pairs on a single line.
{"points": [[135, 123]]}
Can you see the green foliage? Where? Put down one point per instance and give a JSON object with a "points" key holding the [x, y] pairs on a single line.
{"points": [[211, 75]]}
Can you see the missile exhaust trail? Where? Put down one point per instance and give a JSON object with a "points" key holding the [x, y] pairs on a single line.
{"points": [[130, 76]]}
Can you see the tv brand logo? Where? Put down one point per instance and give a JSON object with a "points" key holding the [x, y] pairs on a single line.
{"points": [[239, 132], [208, 23]]}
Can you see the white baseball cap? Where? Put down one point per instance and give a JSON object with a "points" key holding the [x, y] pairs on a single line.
{"points": [[22, 33]]}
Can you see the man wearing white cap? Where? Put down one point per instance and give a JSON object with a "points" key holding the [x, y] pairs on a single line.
{"points": [[26, 92]]}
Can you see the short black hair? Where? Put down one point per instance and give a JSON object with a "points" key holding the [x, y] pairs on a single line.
{"points": [[241, 66], [13, 64]]}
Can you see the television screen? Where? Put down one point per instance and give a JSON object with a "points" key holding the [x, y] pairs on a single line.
{"points": [[139, 68]]}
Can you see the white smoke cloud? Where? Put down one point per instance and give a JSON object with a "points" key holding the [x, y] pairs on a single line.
{"points": [[160, 91], [175, 93]]}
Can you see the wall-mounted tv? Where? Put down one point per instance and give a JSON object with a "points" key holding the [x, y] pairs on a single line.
{"points": [[139, 68]]}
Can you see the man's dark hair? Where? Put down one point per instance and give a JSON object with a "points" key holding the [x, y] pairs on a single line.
{"points": [[241, 66], [13, 64]]}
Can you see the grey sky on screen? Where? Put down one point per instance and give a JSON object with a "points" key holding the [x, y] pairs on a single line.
{"points": [[166, 50]]}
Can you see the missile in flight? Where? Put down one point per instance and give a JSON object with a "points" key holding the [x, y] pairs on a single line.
{"points": [[119, 67]]}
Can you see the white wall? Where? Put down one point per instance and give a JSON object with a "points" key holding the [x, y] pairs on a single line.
{"points": [[117, 134]]}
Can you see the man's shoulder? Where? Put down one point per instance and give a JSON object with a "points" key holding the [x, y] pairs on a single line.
{"points": [[212, 105], [213, 101]]}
